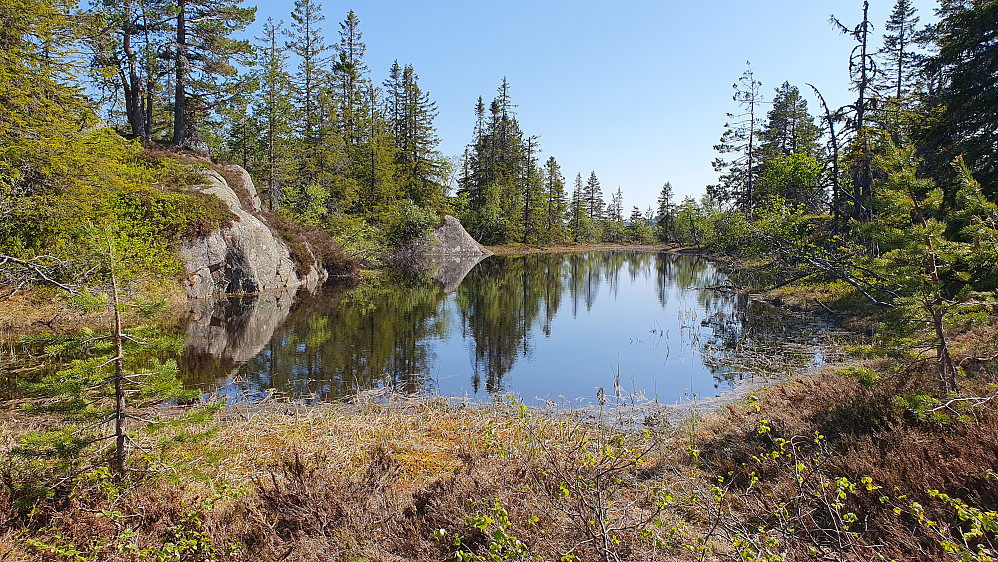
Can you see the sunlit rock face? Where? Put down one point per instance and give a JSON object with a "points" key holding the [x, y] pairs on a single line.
{"points": [[448, 239], [245, 257], [447, 254], [451, 239]]}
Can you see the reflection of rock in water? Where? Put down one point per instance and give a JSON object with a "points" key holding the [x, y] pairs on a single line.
{"points": [[223, 334], [449, 271]]}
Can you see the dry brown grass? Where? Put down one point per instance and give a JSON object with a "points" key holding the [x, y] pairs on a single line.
{"points": [[376, 480], [379, 478], [370, 481]]}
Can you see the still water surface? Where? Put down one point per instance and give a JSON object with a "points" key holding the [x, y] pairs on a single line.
{"points": [[544, 327]]}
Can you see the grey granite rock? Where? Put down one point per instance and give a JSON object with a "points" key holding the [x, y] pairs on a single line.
{"points": [[448, 239], [242, 258], [451, 239]]}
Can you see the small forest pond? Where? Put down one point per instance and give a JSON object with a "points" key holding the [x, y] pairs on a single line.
{"points": [[560, 327]]}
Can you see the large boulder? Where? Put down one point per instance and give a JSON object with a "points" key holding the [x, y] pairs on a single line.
{"points": [[447, 240], [451, 239], [448, 254], [245, 257]]}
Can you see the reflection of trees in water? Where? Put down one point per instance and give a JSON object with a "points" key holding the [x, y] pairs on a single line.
{"points": [[756, 338], [503, 299], [383, 331], [377, 334], [499, 301], [745, 336]]}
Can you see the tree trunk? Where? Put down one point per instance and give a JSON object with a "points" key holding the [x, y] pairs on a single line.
{"points": [[180, 98], [864, 185], [119, 375]]}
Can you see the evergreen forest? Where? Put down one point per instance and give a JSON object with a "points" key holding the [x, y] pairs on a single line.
{"points": [[876, 220]]}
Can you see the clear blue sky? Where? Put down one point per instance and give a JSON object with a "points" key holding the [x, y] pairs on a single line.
{"points": [[637, 92]]}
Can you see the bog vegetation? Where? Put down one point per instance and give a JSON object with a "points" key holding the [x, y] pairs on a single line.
{"points": [[883, 210]]}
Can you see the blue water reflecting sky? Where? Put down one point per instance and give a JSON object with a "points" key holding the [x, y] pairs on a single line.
{"points": [[546, 327]]}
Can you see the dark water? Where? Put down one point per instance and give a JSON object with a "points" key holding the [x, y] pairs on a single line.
{"points": [[558, 327]]}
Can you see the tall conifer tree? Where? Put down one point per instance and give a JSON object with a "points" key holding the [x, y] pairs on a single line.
{"points": [[737, 181], [204, 56], [556, 204], [274, 107]]}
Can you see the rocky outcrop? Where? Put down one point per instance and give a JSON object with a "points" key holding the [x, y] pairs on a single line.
{"points": [[448, 239], [451, 239], [447, 254], [245, 182], [245, 257]]}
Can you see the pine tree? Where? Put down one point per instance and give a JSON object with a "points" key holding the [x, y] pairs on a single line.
{"points": [[126, 56], [737, 180], [102, 382], [204, 52], [789, 128]]}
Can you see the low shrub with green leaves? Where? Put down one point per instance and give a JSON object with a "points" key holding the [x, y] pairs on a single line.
{"points": [[103, 179]]}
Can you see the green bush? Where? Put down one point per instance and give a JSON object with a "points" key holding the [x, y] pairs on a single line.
{"points": [[103, 180]]}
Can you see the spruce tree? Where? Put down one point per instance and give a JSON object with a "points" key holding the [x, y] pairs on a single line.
{"points": [[307, 43], [594, 199], [350, 80], [496, 182], [274, 108], [410, 114], [666, 217], [533, 195], [963, 108], [578, 215], [555, 202], [376, 168], [899, 58]]}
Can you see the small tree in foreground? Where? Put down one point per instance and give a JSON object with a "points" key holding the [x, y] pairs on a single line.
{"points": [[932, 265], [104, 376]]}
